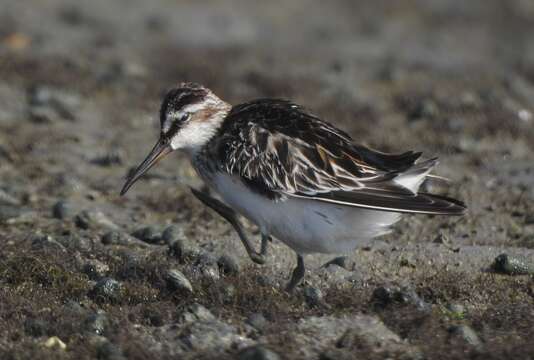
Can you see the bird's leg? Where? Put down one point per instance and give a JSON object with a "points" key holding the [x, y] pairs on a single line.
{"points": [[297, 275], [265, 239], [231, 216]]}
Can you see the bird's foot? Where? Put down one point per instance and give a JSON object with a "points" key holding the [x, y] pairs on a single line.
{"points": [[257, 258]]}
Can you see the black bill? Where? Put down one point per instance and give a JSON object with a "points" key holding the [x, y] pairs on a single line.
{"points": [[158, 152]]}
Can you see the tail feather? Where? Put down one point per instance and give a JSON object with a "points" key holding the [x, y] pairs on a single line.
{"points": [[414, 177]]}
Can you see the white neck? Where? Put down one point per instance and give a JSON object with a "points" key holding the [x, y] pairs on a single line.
{"points": [[195, 134]]}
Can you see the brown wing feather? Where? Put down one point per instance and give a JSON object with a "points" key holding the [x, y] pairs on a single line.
{"points": [[285, 151]]}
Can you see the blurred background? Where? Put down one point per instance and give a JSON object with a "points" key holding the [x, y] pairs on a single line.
{"points": [[80, 86]]}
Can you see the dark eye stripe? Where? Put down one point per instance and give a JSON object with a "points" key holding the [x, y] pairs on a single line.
{"points": [[177, 125]]}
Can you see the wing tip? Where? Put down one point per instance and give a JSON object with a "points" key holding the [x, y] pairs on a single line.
{"points": [[448, 205]]}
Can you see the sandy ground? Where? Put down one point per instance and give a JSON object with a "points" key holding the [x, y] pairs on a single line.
{"points": [[80, 85]]}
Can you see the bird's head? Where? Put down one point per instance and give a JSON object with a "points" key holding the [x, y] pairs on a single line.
{"points": [[190, 115]]}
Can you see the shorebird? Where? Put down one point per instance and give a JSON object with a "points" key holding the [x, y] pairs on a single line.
{"points": [[295, 176]]}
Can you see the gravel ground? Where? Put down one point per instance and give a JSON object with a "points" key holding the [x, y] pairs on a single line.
{"points": [[87, 274]]}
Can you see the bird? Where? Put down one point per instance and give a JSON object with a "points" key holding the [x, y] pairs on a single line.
{"points": [[297, 177]]}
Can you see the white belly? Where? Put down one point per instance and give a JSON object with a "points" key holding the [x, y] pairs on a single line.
{"points": [[307, 226]]}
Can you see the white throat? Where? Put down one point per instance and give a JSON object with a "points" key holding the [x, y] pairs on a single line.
{"points": [[195, 134]]}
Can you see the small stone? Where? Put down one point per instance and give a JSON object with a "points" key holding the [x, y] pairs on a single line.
{"points": [[40, 242], [456, 310], [148, 234], [42, 114], [197, 312], [257, 321], [257, 352], [95, 269], [369, 332], [55, 342], [207, 266], [77, 241], [35, 327], [154, 317], [313, 296], [107, 290], [425, 108], [264, 280], [172, 233], [212, 335], [384, 296], [178, 281], [6, 198], [8, 212], [116, 238], [228, 294], [62, 210], [466, 333], [109, 351], [61, 103], [228, 265], [181, 249], [94, 219], [97, 323], [110, 159], [446, 242], [509, 265]]}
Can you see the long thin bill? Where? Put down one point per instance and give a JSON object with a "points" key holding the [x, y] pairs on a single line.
{"points": [[157, 153]]}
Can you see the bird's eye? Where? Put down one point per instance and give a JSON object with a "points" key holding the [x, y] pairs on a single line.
{"points": [[185, 117]]}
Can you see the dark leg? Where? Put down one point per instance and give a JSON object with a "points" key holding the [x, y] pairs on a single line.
{"points": [[341, 261], [265, 239], [230, 216], [298, 274]]}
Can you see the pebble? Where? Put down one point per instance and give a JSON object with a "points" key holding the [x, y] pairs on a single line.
{"points": [[509, 265], [97, 323], [88, 219], [264, 280], [313, 296], [42, 114], [112, 158], [257, 352], [457, 310], [41, 242], [385, 295], [423, 109], [117, 238], [7, 199], [257, 321], [172, 233], [466, 333], [8, 212], [107, 290], [56, 102], [62, 210], [197, 312], [181, 249], [178, 281], [212, 335], [228, 265], [228, 293], [55, 342], [35, 327], [148, 234], [95, 269], [371, 333], [208, 267], [109, 351]]}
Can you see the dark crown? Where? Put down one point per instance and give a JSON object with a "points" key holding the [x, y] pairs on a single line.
{"points": [[178, 97]]}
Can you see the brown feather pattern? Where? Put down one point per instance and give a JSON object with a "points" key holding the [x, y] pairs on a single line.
{"points": [[280, 149]]}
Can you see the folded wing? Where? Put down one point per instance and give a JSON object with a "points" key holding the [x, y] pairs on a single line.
{"points": [[289, 152]]}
